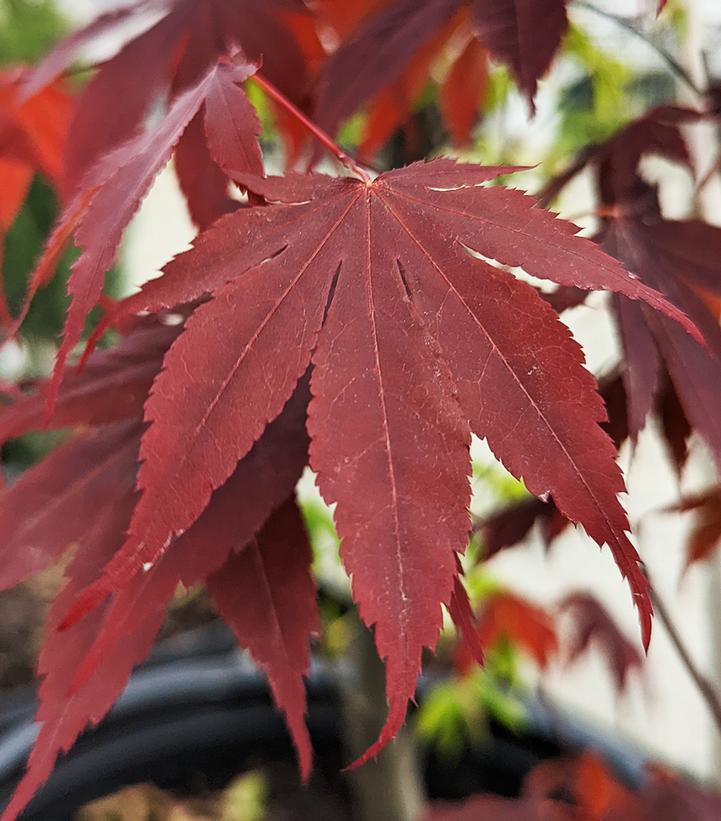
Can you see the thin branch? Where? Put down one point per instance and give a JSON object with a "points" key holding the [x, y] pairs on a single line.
{"points": [[703, 684], [669, 59], [322, 136]]}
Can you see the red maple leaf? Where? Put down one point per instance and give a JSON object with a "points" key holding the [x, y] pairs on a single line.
{"points": [[677, 376], [409, 336], [98, 214], [33, 134], [523, 34], [670, 256], [593, 624], [172, 55], [705, 534], [506, 616], [83, 494], [591, 789]]}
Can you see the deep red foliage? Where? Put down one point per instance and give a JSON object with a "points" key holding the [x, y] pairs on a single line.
{"points": [[366, 326], [705, 535], [401, 35], [400, 311], [111, 191], [675, 257], [510, 618], [33, 134], [592, 623], [83, 495], [172, 55]]}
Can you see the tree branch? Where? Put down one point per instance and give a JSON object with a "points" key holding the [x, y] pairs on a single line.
{"points": [[703, 684], [669, 59]]}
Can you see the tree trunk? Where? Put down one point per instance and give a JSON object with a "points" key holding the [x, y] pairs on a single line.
{"points": [[390, 787]]}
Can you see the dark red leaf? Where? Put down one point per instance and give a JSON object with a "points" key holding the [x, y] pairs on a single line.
{"points": [[63, 716], [675, 426], [112, 386], [616, 160], [393, 105], [705, 535], [115, 102], [464, 90], [512, 524], [222, 136], [376, 55], [509, 617], [204, 185], [266, 593], [86, 666], [64, 54], [695, 369], [52, 505], [594, 624], [642, 364], [406, 311], [113, 189], [523, 34]]}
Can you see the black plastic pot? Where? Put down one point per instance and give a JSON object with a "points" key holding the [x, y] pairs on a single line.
{"points": [[199, 713]]}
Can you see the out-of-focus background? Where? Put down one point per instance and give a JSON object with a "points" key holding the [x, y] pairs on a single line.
{"points": [[661, 711]]}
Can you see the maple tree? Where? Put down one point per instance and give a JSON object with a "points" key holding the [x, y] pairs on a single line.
{"points": [[365, 324]]}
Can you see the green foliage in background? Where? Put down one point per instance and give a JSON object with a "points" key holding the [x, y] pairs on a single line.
{"points": [[28, 28]]}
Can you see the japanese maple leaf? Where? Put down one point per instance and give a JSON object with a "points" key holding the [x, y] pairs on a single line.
{"points": [[101, 209], [594, 625], [83, 494], [523, 34], [678, 258], [33, 135], [615, 162], [414, 342], [174, 53], [506, 616], [460, 94], [705, 535], [512, 524], [112, 386], [589, 785]]}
